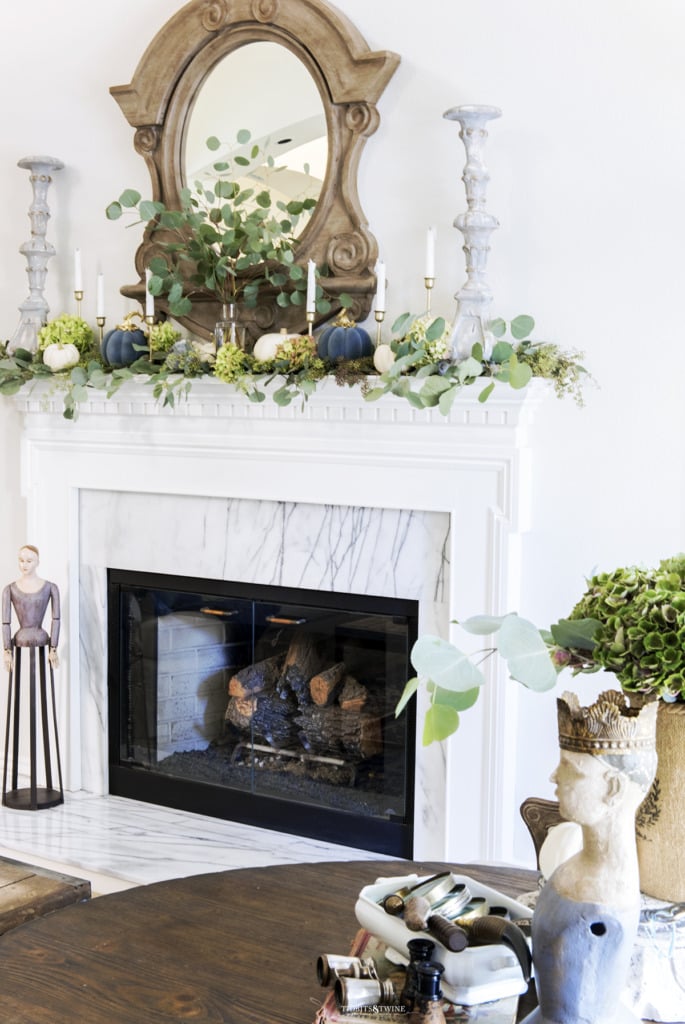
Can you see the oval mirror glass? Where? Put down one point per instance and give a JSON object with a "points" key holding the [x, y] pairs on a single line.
{"points": [[265, 89]]}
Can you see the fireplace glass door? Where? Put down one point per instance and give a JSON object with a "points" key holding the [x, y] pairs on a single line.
{"points": [[269, 706]]}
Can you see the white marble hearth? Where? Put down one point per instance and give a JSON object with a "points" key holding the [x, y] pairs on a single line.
{"points": [[341, 495], [117, 843]]}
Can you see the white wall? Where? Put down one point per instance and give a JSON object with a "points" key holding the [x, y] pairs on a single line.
{"points": [[587, 170]]}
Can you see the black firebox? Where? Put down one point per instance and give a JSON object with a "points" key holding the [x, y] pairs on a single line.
{"points": [[265, 705]]}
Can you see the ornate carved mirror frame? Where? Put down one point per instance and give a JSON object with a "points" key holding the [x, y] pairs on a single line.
{"points": [[350, 79]]}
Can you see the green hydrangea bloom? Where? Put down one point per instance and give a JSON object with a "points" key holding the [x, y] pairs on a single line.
{"points": [[231, 364], [298, 352], [188, 363], [162, 336], [641, 637], [66, 330]]}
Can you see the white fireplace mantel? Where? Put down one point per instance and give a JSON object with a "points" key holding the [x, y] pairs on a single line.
{"points": [[131, 484]]}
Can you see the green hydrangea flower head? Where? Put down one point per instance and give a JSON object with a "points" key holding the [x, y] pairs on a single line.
{"points": [[162, 336], [231, 363], [66, 330], [641, 633]]}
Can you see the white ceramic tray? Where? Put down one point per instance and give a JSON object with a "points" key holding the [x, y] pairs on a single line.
{"points": [[477, 974]]}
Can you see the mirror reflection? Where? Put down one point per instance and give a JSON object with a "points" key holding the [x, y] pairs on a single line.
{"points": [[284, 114]]}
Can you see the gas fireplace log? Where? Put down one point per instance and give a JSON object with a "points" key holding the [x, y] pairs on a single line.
{"points": [[302, 661], [361, 734], [332, 731], [240, 710], [324, 686], [263, 675], [267, 716], [320, 730], [273, 721], [353, 696]]}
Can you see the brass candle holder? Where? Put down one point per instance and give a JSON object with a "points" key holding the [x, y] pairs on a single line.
{"points": [[429, 283], [78, 295], [100, 321], [379, 317], [310, 324]]}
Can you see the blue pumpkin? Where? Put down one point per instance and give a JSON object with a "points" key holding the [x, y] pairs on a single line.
{"points": [[117, 345], [344, 340]]}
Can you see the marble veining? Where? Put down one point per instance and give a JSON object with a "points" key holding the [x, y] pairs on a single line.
{"points": [[320, 547], [120, 842]]}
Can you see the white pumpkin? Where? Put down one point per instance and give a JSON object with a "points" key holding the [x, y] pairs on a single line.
{"points": [[60, 356], [265, 347], [383, 358]]}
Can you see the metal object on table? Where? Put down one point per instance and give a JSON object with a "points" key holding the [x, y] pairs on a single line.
{"points": [[330, 967], [433, 889], [672, 913]]}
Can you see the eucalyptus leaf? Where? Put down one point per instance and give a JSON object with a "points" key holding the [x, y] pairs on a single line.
{"points": [[484, 625], [447, 398], [432, 388], [469, 367], [129, 197], [502, 351], [443, 663], [520, 374], [374, 394], [283, 396], [408, 692], [440, 722], [527, 655], [149, 210], [400, 325], [460, 700], [522, 327], [415, 400], [98, 378], [486, 392], [436, 329], [498, 327]]}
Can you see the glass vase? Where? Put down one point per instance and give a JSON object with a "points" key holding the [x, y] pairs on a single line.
{"points": [[226, 329]]}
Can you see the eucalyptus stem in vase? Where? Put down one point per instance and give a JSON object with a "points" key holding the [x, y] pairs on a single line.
{"points": [[227, 238]]}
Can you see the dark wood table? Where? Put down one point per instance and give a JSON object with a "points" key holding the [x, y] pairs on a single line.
{"points": [[236, 947]]}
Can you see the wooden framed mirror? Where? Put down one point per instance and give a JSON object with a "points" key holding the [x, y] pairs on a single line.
{"points": [[260, 52]]}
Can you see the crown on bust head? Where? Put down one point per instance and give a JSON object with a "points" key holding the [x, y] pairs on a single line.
{"points": [[609, 726]]}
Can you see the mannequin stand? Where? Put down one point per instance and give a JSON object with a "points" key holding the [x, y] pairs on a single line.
{"points": [[33, 797]]}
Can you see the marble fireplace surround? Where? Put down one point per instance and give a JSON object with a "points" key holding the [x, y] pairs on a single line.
{"points": [[340, 494]]}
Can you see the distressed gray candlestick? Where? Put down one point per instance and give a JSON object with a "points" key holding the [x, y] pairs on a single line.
{"points": [[476, 225], [34, 310]]}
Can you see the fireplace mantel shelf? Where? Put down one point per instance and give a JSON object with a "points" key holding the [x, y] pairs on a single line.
{"points": [[210, 399]]}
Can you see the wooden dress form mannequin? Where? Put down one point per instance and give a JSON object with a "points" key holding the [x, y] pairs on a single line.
{"points": [[30, 607]]}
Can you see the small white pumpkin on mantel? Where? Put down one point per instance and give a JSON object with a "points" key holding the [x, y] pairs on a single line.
{"points": [[265, 347], [60, 356], [383, 358]]}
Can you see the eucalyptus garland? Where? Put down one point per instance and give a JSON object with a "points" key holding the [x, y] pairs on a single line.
{"points": [[421, 370]]}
